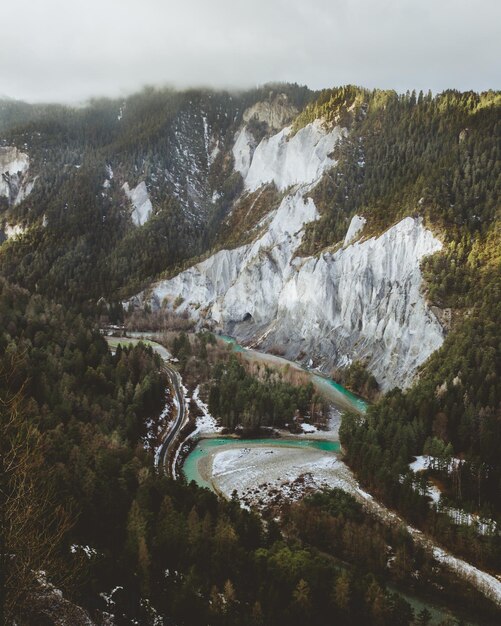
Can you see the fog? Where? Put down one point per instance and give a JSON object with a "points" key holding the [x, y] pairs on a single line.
{"points": [[59, 50]]}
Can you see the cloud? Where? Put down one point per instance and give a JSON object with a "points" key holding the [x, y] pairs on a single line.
{"points": [[69, 51]]}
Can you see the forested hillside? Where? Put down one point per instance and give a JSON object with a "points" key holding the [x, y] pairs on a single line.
{"points": [[81, 241], [121, 192], [72, 416], [83, 508], [438, 157]]}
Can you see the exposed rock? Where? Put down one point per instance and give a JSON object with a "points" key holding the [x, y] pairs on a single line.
{"points": [[140, 201], [276, 113], [363, 302], [243, 150], [287, 160], [14, 166], [13, 232], [356, 225], [444, 316], [224, 275]]}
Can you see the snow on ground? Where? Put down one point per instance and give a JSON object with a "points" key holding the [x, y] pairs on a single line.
{"points": [[489, 585], [108, 597], [425, 461], [421, 463], [206, 424], [434, 493], [483, 526], [309, 428], [87, 550], [262, 475], [257, 473]]}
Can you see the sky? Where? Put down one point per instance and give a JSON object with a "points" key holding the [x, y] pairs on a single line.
{"points": [[69, 51]]}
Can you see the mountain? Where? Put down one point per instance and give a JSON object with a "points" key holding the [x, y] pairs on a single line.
{"points": [[360, 300], [353, 231], [110, 195], [151, 173]]}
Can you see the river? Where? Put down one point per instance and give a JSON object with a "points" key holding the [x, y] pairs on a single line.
{"points": [[341, 397]]}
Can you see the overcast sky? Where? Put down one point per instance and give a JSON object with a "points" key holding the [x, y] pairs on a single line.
{"points": [[63, 50]]}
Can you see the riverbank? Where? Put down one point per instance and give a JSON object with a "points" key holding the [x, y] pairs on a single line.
{"points": [[342, 399], [265, 472], [298, 482]]}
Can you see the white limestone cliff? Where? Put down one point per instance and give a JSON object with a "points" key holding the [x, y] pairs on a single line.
{"points": [[356, 226], [243, 150], [140, 201], [362, 302], [284, 159]]}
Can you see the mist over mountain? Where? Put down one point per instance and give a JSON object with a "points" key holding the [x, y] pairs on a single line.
{"points": [[347, 233]]}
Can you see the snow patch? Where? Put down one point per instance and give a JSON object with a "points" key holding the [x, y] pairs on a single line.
{"points": [[13, 232], [206, 423], [87, 550], [308, 428], [490, 585], [420, 464]]}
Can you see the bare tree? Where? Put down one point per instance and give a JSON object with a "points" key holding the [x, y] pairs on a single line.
{"points": [[32, 526]]}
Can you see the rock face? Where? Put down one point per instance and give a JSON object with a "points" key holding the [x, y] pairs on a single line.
{"points": [[243, 151], [140, 201], [362, 302], [244, 282], [284, 159], [275, 113], [356, 226], [14, 166]]}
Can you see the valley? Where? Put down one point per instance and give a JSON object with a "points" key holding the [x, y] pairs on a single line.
{"points": [[303, 417], [265, 474]]}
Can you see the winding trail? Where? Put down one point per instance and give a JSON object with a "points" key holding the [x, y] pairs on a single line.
{"points": [[172, 430], [171, 433]]}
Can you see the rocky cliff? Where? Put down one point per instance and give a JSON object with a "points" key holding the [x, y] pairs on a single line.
{"points": [[362, 302]]}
